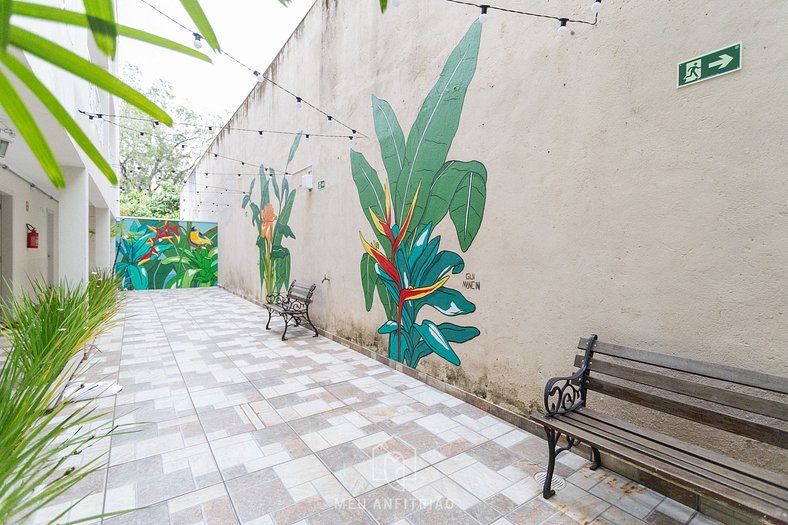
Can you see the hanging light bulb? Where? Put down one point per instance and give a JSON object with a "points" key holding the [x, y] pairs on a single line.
{"points": [[562, 29], [258, 76], [483, 15], [197, 41], [299, 102], [596, 6]]}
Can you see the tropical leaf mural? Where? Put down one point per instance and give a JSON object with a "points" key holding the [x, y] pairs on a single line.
{"points": [[153, 254], [404, 264], [270, 216]]}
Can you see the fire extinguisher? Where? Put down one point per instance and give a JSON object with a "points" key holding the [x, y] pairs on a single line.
{"points": [[32, 237]]}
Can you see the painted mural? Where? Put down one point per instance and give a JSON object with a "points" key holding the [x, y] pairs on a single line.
{"points": [[270, 217], [404, 264], [153, 254]]}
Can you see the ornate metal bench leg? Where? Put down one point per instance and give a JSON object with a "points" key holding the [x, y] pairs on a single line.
{"points": [[286, 324], [310, 323], [596, 461], [552, 441], [267, 325]]}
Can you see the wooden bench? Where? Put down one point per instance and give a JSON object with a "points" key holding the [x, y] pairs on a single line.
{"points": [[743, 402], [292, 306]]}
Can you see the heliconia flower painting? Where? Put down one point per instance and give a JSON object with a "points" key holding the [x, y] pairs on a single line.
{"points": [[270, 219], [404, 263]]}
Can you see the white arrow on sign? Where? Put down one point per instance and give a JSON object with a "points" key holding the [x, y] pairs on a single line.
{"points": [[723, 62]]}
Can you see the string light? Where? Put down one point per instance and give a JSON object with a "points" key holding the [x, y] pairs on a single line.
{"points": [[596, 6], [258, 76], [211, 128], [562, 29], [299, 103], [484, 8], [197, 40], [483, 15]]}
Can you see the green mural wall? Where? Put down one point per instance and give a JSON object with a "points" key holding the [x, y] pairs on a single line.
{"points": [[155, 254], [270, 216], [404, 265]]}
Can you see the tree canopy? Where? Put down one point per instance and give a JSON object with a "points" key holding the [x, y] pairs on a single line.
{"points": [[155, 159]]}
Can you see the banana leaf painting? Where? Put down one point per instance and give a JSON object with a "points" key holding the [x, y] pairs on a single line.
{"points": [[270, 216], [154, 254], [404, 264]]}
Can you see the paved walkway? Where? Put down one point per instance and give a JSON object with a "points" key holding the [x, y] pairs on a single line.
{"points": [[242, 427]]}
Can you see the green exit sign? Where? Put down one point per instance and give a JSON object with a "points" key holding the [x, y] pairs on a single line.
{"points": [[710, 65], [321, 184]]}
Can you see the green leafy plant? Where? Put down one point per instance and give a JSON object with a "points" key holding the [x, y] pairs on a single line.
{"points": [[404, 265], [43, 441], [99, 18], [271, 225]]}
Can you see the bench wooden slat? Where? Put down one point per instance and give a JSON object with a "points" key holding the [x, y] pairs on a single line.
{"points": [[774, 478], [655, 446], [714, 394], [730, 423], [712, 370], [667, 471]]}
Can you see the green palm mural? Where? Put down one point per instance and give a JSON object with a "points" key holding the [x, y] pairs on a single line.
{"points": [[156, 254], [404, 265]]}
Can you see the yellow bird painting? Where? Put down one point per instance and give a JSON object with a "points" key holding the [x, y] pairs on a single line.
{"points": [[197, 238]]}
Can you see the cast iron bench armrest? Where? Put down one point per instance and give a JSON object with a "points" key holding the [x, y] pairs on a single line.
{"points": [[275, 299], [568, 393]]}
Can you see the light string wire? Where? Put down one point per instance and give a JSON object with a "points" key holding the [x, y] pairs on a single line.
{"points": [[196, 192], [103, 116], [527, 13], [260, 76], [207, 152]]}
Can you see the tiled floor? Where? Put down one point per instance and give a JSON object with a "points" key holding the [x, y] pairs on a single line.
{"points": [[238, 426]]}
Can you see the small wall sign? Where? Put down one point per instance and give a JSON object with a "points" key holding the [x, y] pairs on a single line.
{"points": [[710, 65], [321, 184]]}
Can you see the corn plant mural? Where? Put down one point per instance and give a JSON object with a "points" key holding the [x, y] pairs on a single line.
{"points": [[154, 254], [270, 221], [404, 263]]}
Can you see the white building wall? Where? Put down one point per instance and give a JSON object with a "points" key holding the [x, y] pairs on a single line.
{"points": [[94, 190], [21, 205]]}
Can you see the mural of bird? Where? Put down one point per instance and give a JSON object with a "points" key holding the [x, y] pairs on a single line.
{"points": [[197, 238]]}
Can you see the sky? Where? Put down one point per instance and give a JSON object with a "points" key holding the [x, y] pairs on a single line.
{"points": [[252, 31]]}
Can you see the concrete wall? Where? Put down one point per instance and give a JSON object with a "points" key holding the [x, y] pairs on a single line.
{"points": [[616, 203]]}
